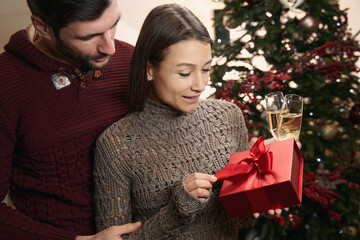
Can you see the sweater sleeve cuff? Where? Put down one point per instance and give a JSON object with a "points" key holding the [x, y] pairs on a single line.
{"points": [[187, 204], [57, 234]]}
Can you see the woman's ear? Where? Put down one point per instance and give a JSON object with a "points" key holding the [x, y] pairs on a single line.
{"points": [[41, 27], [149, 72]]}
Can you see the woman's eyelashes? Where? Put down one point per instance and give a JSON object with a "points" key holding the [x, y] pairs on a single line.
{"points": [[187, 74], [184, 74]]}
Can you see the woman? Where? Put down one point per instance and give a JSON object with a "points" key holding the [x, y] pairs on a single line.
{"points": [[156, 165]]}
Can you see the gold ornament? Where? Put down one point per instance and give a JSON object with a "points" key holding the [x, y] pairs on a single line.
{"points": [[309, 22], [328, 131], [350, 230], [329, 153]]}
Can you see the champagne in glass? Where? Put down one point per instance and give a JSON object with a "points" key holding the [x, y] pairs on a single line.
{"points": [[274, 103], [290, 117]]}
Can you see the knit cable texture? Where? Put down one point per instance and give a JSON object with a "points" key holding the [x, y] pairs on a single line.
{"points": [[141, 162], [47, 138]]}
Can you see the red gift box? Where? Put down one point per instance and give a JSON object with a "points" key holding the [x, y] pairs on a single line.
{"points": [[262, 178]]}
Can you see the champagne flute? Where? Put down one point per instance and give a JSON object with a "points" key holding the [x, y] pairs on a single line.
{"points": [[290, 117], [274, 102]]}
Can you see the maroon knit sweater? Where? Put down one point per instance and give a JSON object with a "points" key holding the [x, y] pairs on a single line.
{"points": [[47, 137]]}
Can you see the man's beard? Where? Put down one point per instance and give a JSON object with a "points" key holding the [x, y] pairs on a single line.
{"points": [[82, 61]]}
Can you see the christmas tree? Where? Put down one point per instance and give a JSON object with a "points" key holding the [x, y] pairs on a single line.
{"points": [[301, 47]]}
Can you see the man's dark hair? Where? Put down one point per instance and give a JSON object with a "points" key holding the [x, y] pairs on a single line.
{"points": [[60, 13]]}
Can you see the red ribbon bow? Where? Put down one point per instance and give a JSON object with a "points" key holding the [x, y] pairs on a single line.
{"points": [[260, 159]]}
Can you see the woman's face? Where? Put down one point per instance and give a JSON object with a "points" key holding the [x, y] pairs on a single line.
{"points": [[182, 76]]}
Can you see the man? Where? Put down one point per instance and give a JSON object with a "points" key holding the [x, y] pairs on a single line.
{"points": [[57, 93]]}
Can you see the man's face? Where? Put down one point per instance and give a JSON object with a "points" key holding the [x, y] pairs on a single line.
{"points": [[90, 44]]}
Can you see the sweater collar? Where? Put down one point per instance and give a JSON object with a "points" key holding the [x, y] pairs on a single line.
{"points": [[21, 45], [157, 109], [164, 113]]}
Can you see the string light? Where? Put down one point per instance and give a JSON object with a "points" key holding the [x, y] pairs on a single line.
{"points": [[268, 14]]}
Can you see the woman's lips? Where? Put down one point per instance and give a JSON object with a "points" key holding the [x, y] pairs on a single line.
{"points": [[192, 99]]}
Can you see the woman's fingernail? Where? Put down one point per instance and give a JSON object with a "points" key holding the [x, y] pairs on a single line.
{"points": [[213, 178]]}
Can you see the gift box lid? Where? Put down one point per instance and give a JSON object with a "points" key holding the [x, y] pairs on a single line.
{"points": [[280, 186]]}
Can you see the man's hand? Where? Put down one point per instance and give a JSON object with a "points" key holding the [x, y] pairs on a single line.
{"points": [[112, 233], [271, 213], [199, 184], [271, 140]]}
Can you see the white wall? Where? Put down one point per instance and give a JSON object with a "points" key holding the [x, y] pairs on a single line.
{"points": [[133, 16], [14, 15], [353, 14]]}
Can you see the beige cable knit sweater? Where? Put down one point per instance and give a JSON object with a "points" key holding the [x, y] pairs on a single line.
{"points": [[142, 160]]}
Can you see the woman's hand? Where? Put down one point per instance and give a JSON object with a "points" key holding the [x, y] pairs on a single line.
{"points": [[266, 141], [199, 184]]}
